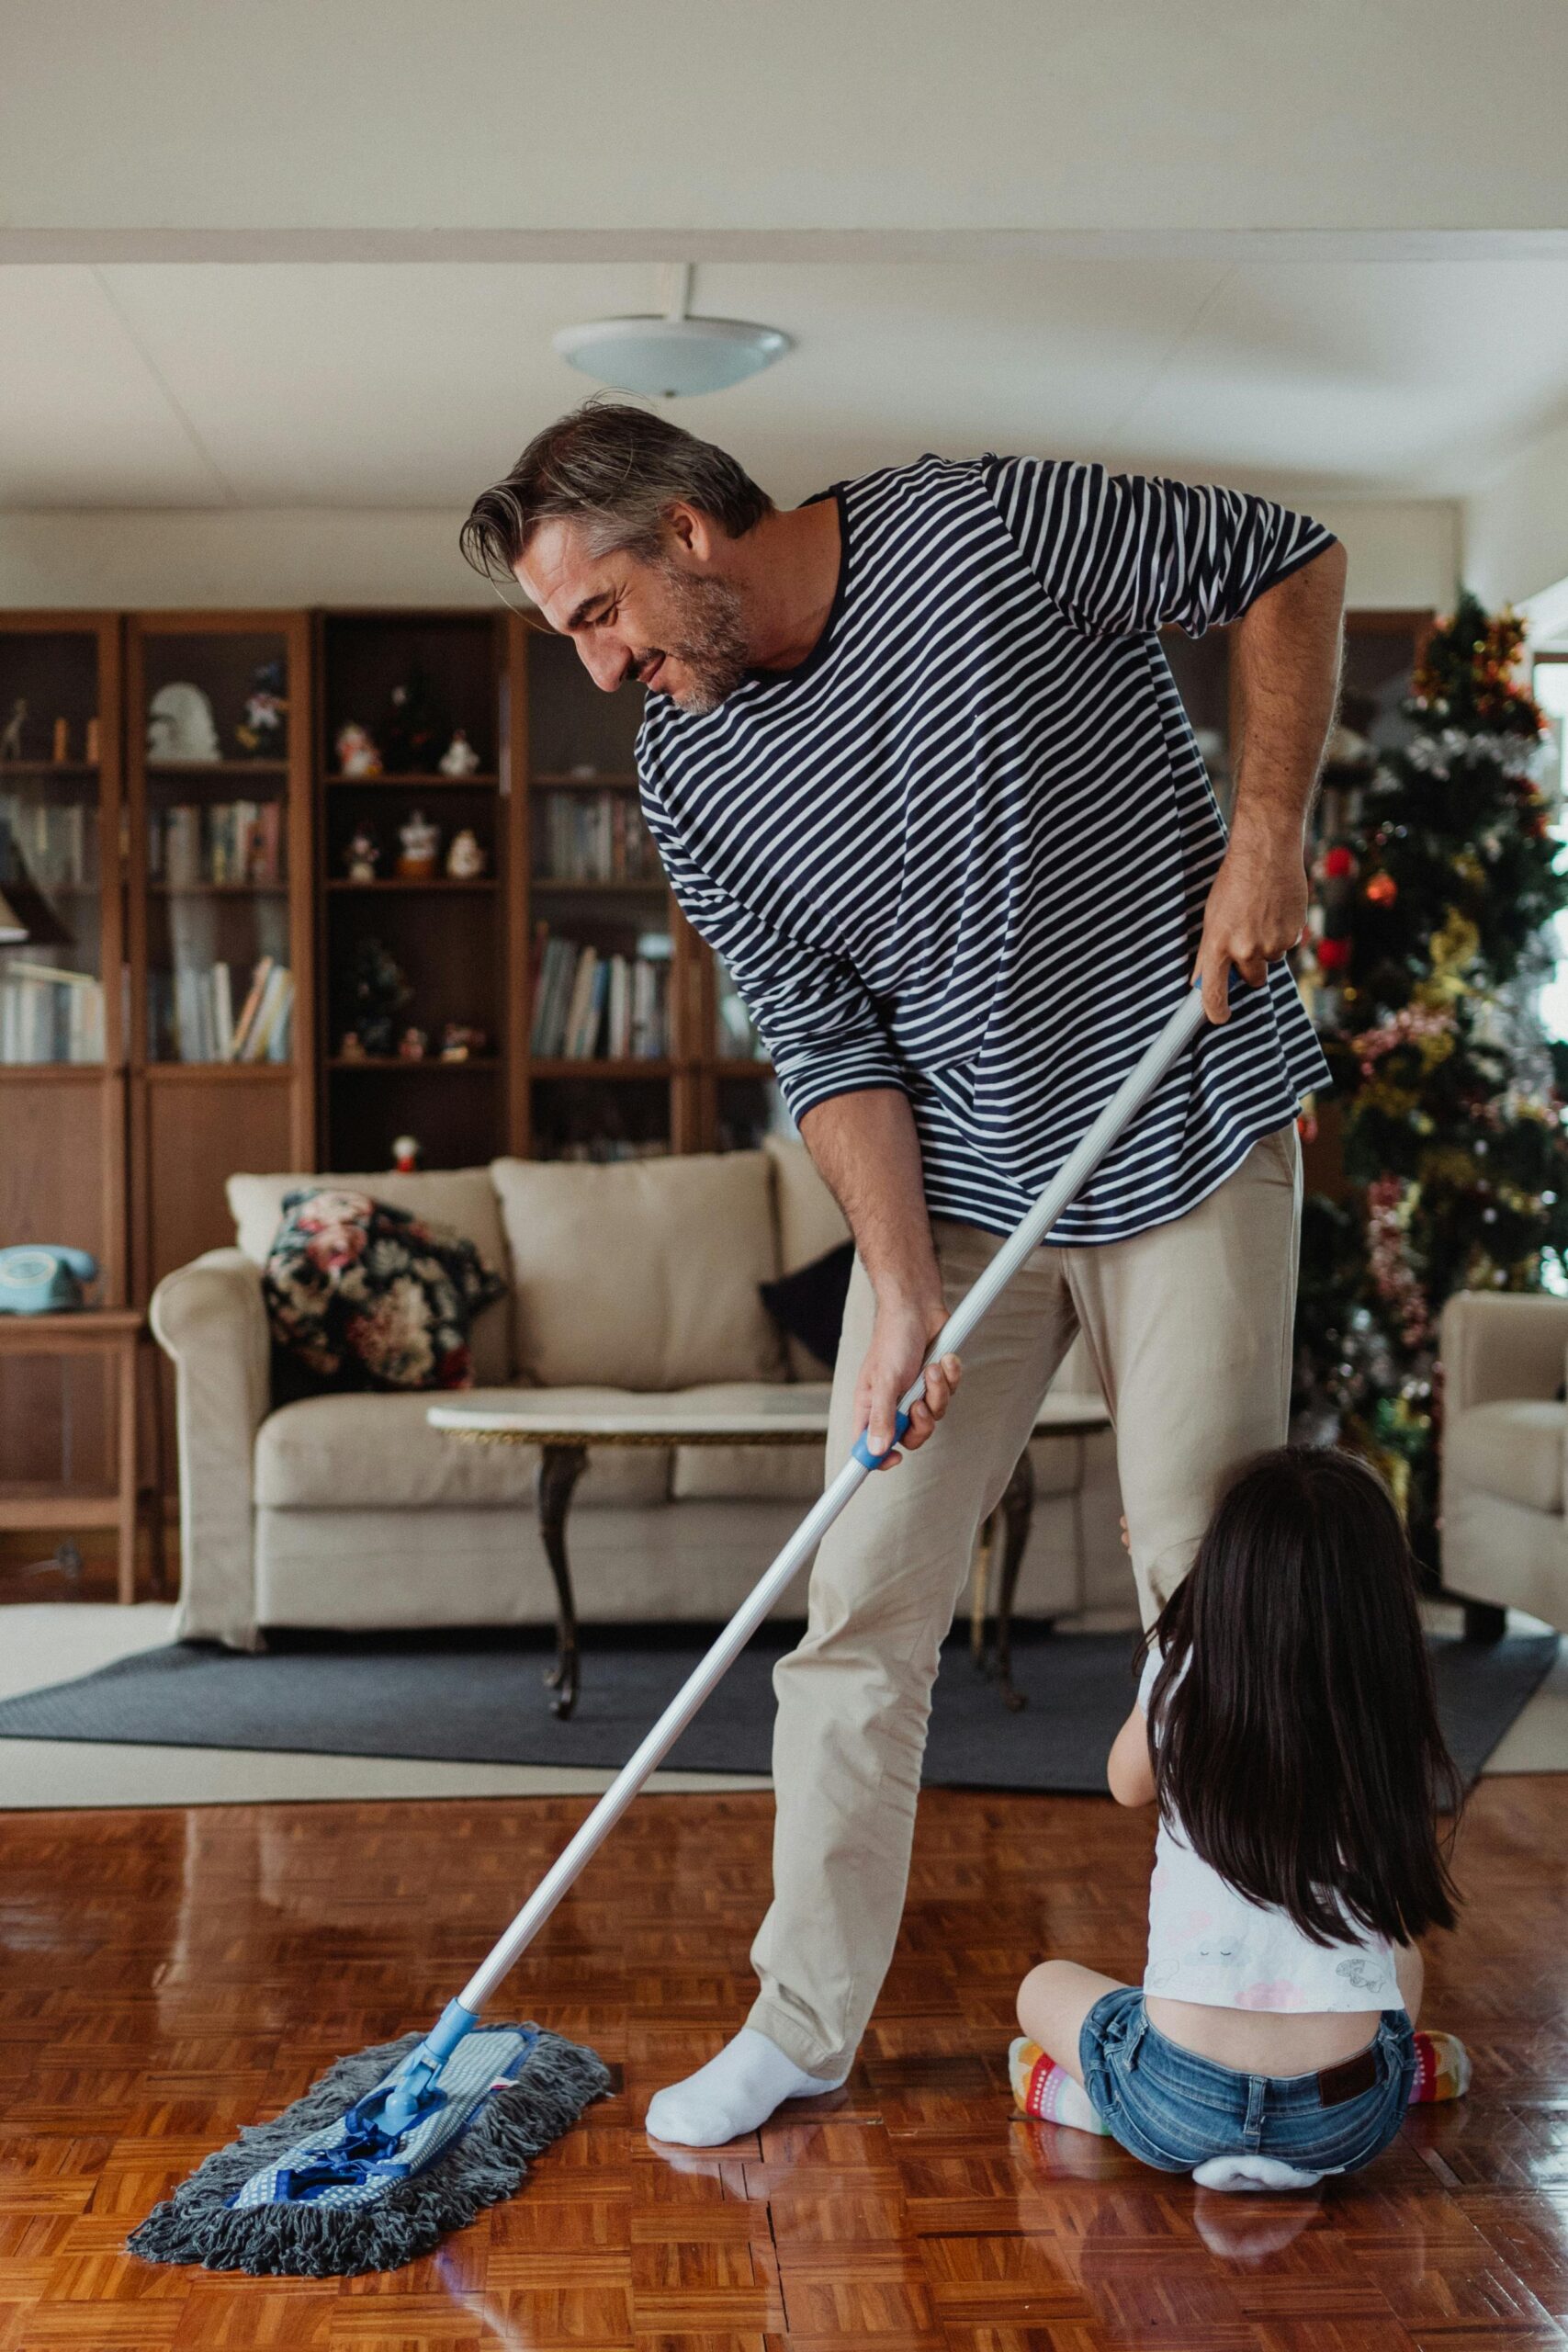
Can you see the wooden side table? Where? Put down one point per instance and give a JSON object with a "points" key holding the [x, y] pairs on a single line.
{"points": [[113, 1334]]}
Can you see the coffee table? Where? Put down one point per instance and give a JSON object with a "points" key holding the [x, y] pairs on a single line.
{"points": [[792, 1413]]}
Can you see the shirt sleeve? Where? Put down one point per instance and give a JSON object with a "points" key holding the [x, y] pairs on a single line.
{"points": [[813, 1011], [1152, 1665], [1124, 554]]}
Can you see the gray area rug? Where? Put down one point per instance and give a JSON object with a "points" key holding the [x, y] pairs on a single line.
{"points": [[479, 1698]]}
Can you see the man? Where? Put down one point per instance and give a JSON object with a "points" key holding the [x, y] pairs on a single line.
{"points": [[918, 772]]}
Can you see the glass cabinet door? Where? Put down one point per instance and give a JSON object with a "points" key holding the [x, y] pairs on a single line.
{"points": [[215, 724], [56, 902]]}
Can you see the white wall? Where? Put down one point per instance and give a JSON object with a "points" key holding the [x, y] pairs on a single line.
{"points": [[1516, 524], [1400, 555]]}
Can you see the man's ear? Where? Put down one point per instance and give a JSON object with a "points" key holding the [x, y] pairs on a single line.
{"points": [[694, 533]]}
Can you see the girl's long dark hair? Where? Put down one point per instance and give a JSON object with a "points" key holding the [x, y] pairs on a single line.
{"points": [[1300, 1751]]}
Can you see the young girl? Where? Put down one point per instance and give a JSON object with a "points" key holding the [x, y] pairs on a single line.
{"points": [[1285, 1726]]}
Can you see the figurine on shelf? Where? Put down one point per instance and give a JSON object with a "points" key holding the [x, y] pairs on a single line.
{"points": [[356, 752], [90, 750], [62, 752], [363, 854], [421, 840], [466, 861], [351, 1047], [459, 1039], [262, 732], [11, 733], [412, 730], [459, 758], [180, 727], [413, 1045], [380, 992], [408, 1153]]}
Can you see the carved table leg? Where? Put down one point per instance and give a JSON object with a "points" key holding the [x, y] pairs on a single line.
{"points": [[1017, 1509], [980, 1595], [560, 1469]]}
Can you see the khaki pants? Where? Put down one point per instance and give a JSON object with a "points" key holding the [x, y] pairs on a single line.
{"points": [[1188, 1326]]}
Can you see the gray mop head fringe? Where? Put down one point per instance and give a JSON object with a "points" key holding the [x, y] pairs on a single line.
{"points": [[557, 2080]]}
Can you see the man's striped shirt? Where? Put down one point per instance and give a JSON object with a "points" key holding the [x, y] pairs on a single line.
{"points": [[964, 848]]}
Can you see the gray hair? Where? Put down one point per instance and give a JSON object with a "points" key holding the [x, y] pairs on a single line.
{"points": [[614, 471]]}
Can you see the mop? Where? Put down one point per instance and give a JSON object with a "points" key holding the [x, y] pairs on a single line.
{"points": [[392, 2149]]}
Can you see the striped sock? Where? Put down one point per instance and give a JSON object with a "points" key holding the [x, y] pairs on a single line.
{"points": [[1047, 2092], [1442, 2068]]}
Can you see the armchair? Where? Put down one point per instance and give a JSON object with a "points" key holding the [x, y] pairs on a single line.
{"points": [[1505, 1534]]}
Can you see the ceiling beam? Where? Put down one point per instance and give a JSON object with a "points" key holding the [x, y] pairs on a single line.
{"points": [[316, 246]]}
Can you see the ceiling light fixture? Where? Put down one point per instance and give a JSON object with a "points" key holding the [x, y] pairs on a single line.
{"points": [[668, 356]]}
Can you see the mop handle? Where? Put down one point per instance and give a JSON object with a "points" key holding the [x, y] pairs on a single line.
{"points": [[1073, 1174]]}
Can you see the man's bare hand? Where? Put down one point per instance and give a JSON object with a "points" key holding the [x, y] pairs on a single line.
{"points": [[899, 1338], [1255, 912]]}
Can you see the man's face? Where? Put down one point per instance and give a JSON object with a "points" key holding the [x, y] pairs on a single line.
{"points": [[651, 620]]}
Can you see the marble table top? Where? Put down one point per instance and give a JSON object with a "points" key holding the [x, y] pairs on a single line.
{"points": [[757, 1413]]}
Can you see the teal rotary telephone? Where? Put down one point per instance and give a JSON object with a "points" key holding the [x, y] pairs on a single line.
{"points": [[38, 1280]]}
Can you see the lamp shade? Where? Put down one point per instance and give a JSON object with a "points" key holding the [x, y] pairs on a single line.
{"points": [[666, 357]]}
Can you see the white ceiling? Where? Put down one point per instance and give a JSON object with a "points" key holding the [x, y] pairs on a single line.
{"points": [[311, 253], [410, 385]]}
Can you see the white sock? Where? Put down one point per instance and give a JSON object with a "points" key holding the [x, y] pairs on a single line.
{"points": [[732, 2094], [1252, 2172]]}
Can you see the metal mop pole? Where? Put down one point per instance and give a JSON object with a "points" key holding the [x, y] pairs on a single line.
{"points": [[460, 2015]]}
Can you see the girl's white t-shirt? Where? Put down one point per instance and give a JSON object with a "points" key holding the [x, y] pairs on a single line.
{"points": [[1209, 1944]]}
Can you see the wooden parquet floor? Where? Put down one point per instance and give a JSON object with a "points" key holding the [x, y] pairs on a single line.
{"points": [[167, 1976]]}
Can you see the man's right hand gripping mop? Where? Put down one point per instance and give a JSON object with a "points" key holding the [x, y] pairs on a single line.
{"points": [[392, 2148]]}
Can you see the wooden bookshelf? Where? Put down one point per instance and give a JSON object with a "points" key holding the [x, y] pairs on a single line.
{"points": [[195, 1114], [62, 1123], [457, 959]]}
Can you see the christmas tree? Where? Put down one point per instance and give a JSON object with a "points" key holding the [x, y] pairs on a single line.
{"points": [[1430, 943]]}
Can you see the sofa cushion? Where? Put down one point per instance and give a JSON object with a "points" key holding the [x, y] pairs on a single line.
{"points": [[810, 1223], [643, 1273], [362, 1294], [809, 1305], [361, 1452], [1512, 1449], [462, 1198]]}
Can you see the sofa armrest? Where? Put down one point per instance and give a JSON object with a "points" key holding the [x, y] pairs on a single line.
{"points": [[211, 1319], [1499, 1345]]}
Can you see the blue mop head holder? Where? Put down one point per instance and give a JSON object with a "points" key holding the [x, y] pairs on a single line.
{"points": [[414, 2093]]}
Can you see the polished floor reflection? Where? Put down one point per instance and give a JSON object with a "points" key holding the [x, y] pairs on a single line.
{"points": [[167, 1976]]}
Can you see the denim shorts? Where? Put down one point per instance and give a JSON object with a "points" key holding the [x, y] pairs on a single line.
{"points": [[1175, 2110]]}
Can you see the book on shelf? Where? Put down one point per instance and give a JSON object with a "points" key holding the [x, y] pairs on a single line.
{"points": [[49, 1014], [193, 1007], [596, 837], [590, 1007], [229, 841], [52, 843]]}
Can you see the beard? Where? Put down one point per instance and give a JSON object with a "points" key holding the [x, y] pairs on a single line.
{"points": [[712, 647]]}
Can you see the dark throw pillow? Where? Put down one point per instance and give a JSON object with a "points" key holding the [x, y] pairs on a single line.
{"points": [[360, 1295], [809, 1303]]}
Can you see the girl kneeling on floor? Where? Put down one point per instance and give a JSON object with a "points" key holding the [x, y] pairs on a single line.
{"points": [[1286, 1728]]}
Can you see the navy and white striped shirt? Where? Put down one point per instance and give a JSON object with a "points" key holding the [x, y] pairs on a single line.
{"points": [[964, 848]]}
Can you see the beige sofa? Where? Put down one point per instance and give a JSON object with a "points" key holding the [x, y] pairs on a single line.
{"points": [[350, 1511], [1505, 1534]]}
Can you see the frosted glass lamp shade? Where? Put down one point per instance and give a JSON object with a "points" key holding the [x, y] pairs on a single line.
{"points": [[668, 357]]}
